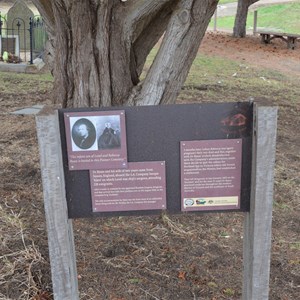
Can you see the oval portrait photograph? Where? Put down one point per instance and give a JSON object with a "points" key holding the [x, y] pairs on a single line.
{"points": [[84, 133]]}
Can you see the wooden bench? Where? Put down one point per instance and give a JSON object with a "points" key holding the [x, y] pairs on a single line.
{"points": [[290, 39]]}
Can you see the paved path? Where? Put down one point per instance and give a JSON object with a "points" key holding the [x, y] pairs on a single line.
{"points": [[229, 9]]}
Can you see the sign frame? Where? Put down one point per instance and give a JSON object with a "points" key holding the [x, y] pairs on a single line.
{"points": [[154, 133]]}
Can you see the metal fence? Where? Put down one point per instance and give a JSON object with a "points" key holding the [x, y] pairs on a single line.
{"points": [[25, 40]]}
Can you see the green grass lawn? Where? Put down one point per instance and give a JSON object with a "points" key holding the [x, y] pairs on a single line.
{"points": [[215, 77], [221, 2], [282, 18], [25, 83]]}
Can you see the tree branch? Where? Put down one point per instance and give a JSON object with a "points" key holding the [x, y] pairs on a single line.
{"points": [[177, 52], [120, 47], [128, 23], [150, 36], [141, 13], [45, 9], [102, 44]]}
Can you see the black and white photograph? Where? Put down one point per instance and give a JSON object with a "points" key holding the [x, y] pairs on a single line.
{"points": [[83, 134], [96, 140], [109, 132]]}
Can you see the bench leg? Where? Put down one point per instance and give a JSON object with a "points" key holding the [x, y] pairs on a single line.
{"points": [[265, 38], [291, 41]]}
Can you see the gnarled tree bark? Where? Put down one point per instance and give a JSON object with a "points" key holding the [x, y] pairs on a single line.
{"points": [[99, 48]]}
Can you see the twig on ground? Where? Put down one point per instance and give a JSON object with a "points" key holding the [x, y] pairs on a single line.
{"points": [[157, 273], [174, 227], [149, 294]]}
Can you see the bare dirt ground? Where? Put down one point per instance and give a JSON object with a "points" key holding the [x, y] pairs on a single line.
{"points": [[163, 257], [274, 56]]}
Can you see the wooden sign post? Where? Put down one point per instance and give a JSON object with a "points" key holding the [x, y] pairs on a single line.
{"points": [[59, 227], [257, 226], [258, 222]]}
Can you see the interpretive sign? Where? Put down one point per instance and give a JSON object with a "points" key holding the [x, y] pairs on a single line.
{"points": [[140, 187], [154, 134], [211, 174], [96, 140]]}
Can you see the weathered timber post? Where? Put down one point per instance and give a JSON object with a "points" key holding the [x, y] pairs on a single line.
{"points": [[59, 227], [258, 222], [255, 22], [215, 19]]}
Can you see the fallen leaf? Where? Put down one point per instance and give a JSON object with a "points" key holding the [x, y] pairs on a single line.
{"points": [[181, 275], [42, 296]]}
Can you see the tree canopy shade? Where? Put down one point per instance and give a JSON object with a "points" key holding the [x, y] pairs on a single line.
{"points": [[99, 48]]}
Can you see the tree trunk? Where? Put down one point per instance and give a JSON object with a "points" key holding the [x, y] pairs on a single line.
{"points": [[99, 48], [239, 29]]}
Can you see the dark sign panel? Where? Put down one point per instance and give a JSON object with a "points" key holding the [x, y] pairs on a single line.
{"points": [[140, 187], [211, 174], [96, 140], [153, 134]]}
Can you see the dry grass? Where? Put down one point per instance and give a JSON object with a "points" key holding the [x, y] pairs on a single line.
{"points": [[19, 270]]}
